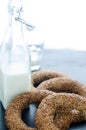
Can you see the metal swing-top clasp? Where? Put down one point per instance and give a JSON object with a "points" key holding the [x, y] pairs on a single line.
{"points": [[15, 8]]}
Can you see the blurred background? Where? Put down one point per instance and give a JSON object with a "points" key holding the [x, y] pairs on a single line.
{"points": [[62, 23]]}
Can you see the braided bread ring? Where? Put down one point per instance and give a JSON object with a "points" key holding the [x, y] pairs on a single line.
{"points": [[63, 85], [40, 76], [58, 101], [14, 111]]}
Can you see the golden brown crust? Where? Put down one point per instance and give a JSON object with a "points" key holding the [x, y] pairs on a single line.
{"points": [[62, 119], [65, 102], [14, 111], [59, 82], [63, 85], [56, 82], [40, 76]]}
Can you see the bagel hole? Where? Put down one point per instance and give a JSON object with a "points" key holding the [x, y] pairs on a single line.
{"points": [[28, 115]]}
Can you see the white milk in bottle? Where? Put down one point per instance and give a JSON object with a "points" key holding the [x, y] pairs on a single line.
{"points": [[15, 71], [13, 81]]}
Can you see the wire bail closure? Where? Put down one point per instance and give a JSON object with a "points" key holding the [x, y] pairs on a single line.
{"points": [[28, 26], [15, 8]]}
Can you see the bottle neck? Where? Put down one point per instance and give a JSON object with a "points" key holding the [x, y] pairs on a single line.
{"points": [[17, 32], [14, 9]]}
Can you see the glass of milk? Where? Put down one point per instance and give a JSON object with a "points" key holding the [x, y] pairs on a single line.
{"points": [[36, 51], [35, 43]]}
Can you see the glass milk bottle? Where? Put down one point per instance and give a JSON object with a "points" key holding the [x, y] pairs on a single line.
{"points": [[15, 72]]}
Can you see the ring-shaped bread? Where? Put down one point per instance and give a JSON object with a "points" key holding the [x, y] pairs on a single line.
{"points": [[63, 85], [13, 114], [59, 82], [40, 76], [65, 102]]}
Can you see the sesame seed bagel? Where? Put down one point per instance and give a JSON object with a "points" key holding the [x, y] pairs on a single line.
{"points": [[50, 106], [13, 113], [40, 76], [63, 85]]}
